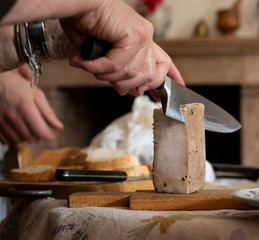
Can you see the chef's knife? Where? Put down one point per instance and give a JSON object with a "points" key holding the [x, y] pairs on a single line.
{"points": [[173, 95]]}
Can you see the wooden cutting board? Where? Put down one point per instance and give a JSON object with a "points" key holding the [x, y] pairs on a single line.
{"points": [[62, 190], [151, 201]]}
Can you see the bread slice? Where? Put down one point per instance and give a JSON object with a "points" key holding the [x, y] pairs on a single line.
{"points": [[18, 156], [107, 159], [137, 171], [77, 159], [134, 162], [38, 173], [55, 157], [179, 151]]}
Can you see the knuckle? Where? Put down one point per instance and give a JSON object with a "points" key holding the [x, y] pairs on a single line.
{"points": [[145, 32], [128, 72], [149, 76]]}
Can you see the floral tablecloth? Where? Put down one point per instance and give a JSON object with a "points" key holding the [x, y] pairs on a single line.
{"points": [[51, 219]]}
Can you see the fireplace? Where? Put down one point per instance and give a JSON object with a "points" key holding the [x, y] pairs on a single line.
{"points": [[85, 111]]}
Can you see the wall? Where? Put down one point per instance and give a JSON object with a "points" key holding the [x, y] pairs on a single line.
{"points": [[187, 13]]}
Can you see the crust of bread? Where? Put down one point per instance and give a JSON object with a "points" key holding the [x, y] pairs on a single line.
{"points": [[54, 157], [73, 167], [107, 159], [150, 166], [18, 156], [74, 160], [134, 162], [138, 171], [40, 173]]}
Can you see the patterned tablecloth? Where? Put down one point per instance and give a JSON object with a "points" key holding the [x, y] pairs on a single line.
{"points": [[51, 219]]}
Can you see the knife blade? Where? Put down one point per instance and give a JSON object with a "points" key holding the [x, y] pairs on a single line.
{"points": [[173, 95]]}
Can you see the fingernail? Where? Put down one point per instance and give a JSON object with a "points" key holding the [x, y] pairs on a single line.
{"points": [[73, 64], [60, 124]]}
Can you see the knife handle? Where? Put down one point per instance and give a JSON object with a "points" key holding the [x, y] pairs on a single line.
{"points": [[93, 48], [161, 86], [90, 175]]}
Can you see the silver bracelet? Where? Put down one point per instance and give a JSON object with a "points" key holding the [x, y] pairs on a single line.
{"points": [[31, 47]]}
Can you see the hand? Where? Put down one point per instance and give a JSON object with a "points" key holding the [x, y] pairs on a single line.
{"points": [[135, 63], [174, 74], [25, 114]]}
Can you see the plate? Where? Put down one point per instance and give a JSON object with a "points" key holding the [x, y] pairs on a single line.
{"points": [[250, 196]]}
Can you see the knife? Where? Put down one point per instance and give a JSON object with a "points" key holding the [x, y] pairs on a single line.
{"points": [[173, 95], [223, 170], [90, 175], [95, 175]]}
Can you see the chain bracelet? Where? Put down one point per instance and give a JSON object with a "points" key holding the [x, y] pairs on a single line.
{"points": [[31, 47]]}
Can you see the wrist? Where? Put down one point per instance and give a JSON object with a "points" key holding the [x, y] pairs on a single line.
{"points": [[59, 45], [36, 43]]}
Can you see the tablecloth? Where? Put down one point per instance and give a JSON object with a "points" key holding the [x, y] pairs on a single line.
{"points": [[51, 219]]}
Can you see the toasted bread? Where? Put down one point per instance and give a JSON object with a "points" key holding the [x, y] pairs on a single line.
{"points": [[33, 174], [107, 159]]}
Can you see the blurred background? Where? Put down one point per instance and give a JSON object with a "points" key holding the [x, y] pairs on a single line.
{"points": [[214, 44]]}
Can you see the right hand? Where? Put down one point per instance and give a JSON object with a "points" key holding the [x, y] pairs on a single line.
{"points": [[135, 63]]}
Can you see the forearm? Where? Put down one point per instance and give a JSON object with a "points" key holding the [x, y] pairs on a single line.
{"points": [[8, 57], [58, 44], [31, 10]]}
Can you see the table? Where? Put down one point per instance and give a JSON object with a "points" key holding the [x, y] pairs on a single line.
{"points": [[51, 219]]}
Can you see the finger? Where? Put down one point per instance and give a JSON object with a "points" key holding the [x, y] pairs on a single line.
{"points": [[130, 69], [121, 92], [97, 66], [3, 139], [117, 64], [135, 93], [123, 73], [144, 76], [161, 71], [46, 111], [175, 75], [19, 126], [130, 84], [8, 131], [37, 125], [163, 64]]}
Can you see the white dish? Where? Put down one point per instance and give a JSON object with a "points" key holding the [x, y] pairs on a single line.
{"points": [[250, 196]]}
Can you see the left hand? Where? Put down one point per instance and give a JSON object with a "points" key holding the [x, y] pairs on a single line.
{"points": [[25, 114]]}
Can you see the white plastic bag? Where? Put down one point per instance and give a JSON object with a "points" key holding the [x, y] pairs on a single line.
{"points": [[133, 131]]}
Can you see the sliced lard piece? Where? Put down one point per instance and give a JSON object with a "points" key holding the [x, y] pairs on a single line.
{"points": [[179, 151]]}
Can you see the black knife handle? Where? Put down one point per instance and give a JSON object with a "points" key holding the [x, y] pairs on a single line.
{"points": [[90, 175], [93, 48], [161, 86]]}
